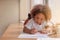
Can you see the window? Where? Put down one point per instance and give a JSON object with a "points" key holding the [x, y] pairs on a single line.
{"points": [[55, 10], [38, 2], [35, 2]]}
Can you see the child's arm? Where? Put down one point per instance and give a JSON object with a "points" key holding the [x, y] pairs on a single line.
{"points": [[45, 29], [26, 30], [32, 31], [43, 32]]}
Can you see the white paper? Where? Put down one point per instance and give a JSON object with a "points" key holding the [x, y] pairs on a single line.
{"points": [[48, 39], [37, 35]]}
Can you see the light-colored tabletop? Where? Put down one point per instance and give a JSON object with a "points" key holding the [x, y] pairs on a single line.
{"points": [[13, 31]]}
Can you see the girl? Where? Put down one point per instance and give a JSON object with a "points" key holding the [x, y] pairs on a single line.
{"points": [[39, 18]]}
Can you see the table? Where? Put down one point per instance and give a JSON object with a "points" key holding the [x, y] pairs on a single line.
{"points": [[13, 31]]}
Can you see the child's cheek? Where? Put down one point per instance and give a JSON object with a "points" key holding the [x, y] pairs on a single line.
{"points": [[37, 21]]}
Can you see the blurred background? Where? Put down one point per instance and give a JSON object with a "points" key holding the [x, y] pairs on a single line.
{"points": [[15, 11]]}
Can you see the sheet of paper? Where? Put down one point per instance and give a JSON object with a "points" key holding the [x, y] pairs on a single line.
{"points": [[37, 35], [48, 39]]}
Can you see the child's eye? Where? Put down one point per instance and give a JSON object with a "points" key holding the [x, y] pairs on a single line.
{"points": [[37, 18]]}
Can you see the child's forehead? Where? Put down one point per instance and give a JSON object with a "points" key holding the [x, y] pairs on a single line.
{"points": [[40, 14]]}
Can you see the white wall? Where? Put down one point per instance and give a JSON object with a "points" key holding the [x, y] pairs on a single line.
{"points": [[35, 2], [55, 8], [9, 11], [24, 9]]}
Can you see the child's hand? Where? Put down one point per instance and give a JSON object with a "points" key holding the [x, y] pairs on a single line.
{"points": [[43, 32], [33, 31]]}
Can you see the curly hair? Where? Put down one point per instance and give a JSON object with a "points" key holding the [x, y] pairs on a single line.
{"points": [[41, 9]]}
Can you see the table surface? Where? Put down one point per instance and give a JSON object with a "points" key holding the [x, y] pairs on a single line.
{"points": [[13, 31]]}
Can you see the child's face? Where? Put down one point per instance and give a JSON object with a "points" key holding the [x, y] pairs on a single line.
{"points": [[39, 18]]}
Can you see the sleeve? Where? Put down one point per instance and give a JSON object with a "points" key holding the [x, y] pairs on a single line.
{"points": [[29, 25]]}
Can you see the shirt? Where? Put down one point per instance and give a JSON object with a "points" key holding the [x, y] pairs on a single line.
{"points": [[32, 24]]}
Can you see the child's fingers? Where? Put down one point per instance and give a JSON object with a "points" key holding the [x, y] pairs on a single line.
{"points": [[34, 31], [43, 32]]}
